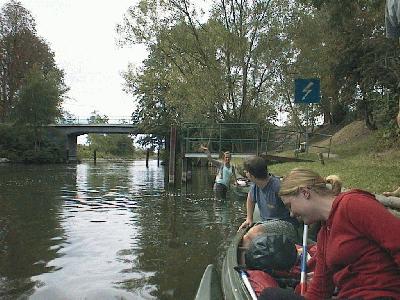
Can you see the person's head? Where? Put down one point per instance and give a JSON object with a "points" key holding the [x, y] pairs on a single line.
{"points": [[302, 191], [257, 167], [271, 252], [227, 157]]}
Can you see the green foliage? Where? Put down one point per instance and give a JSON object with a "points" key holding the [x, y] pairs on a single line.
{"points": [[18, 145], [22, 52], [107, 145], [113, 144], [39, 99], [363, 65], [226, 68], [204, 72]]}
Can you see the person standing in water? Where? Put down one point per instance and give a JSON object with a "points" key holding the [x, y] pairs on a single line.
{"points": [[225, 172]]}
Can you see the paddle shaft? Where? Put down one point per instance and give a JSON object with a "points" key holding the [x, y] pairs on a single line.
{"points": [[303, 278]]}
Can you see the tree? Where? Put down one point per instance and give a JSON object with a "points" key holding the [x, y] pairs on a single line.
{"points": [[238, 65], [219, 69], [120, 145], [361, 66], [40, 99], [20, 50]]}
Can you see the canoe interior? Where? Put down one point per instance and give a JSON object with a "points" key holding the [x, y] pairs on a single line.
{"points": [[210, 285]]}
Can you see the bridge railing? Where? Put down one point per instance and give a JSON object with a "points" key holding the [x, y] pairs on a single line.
{"points": [[279, 140], [249, 138], [90, 120], [238, 138]]}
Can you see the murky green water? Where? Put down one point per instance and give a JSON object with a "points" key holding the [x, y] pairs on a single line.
{"points": [[106, 231]]}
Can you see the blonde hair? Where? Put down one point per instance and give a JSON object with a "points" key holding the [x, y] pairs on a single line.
{"points": [[298, 178]]}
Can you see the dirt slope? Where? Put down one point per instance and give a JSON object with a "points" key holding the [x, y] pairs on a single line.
{"points": [[348, 133]]}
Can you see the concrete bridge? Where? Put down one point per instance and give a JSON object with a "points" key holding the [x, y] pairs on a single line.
{"points": [[72, 128]]}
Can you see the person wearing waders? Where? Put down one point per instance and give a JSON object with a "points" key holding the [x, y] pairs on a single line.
{"points": [[225, 172]]}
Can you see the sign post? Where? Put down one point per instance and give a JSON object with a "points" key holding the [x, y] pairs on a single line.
{"points": [[307, 91]]}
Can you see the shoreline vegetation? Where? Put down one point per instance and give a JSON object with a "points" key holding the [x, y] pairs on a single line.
{"points": [[116, 159]]}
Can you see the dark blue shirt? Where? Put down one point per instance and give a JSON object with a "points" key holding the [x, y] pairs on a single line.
{"points": [[268, 201]]}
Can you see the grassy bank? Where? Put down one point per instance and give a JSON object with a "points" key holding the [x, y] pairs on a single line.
{"points": [[362, 159]]}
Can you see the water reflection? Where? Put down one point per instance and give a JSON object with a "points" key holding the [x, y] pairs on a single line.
{"points": [[108, 230], [31, 234]]}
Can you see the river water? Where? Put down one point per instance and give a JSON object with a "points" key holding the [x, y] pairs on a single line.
{"points": [[109, 231]]}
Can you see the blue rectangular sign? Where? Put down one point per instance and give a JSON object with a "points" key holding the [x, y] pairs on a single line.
{"points": [[307, 90]]}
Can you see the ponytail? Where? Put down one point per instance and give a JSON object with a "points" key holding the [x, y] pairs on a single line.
{"points": [[335, 182]]}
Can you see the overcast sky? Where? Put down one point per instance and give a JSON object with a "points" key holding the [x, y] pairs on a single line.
{"points": [[82, 35]]}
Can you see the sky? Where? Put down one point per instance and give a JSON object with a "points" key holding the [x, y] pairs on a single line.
{"points": [[82, 35]]}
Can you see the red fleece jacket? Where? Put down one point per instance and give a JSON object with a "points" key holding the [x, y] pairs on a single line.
{"points": [[358, 250]]}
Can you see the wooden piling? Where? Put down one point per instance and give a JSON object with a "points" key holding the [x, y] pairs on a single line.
{"points": [[321, 158], [147, 157], [172, 155], [184, 177]]}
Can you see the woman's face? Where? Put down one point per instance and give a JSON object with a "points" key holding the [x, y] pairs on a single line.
{"points": [[300, 206]]}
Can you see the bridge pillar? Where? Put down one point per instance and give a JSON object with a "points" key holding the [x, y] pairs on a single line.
{"points": [[71, 147]]}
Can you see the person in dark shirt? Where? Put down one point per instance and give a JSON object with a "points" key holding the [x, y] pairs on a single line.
{"points": [[264, 193]]}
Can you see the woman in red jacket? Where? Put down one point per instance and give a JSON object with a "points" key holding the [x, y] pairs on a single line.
{"points": [[359, 243]]}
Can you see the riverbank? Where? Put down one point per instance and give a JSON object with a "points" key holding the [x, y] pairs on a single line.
{"points": [[362, 158]]}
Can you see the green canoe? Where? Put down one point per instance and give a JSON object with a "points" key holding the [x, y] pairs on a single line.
{"points": [[230, 286]]}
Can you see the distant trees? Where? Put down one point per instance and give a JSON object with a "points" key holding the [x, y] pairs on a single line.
{"points": [[118, 145]]}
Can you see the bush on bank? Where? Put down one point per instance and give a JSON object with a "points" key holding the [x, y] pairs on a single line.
{"points": [[17, 143]]}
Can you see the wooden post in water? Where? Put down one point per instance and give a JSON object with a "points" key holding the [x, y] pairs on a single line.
{"points": [[147, 157], [172, 155], [184, 169], [158, 156], [184, 164]]}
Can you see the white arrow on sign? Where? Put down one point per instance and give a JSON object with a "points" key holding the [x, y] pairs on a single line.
{"points": [[307, 90]]}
